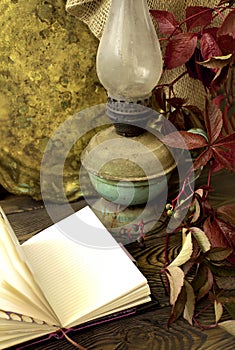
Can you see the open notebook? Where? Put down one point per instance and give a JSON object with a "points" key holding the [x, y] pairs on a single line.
{"points": [[53, 281]]}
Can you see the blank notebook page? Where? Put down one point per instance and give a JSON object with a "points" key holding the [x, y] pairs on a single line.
{"points": [[76, 276]]}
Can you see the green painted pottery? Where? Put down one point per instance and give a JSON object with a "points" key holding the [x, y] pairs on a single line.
{"points": [[128, 192], [127, 171]]}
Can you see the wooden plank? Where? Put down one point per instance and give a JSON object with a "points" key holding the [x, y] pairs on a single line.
{"points": [[147, 331], [144, 332]]}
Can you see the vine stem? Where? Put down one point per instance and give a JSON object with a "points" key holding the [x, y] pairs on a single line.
{"points": [[198, 324], [219, 13], [186, 180], [209, 179], [199, 313], [203, 328], [203, 310], [169, 85]]}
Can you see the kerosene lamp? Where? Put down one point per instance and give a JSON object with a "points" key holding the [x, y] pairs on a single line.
{"points": [[128, 165]]}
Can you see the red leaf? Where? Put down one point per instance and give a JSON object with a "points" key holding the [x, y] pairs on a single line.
{"points": [[177, 118], [227, 141], [228, 232], [194, 110], [226, 44], [178, 307], [218, 254], [213, 120], [190, 303], [180, 49], [209, 47], [194, 69], [207, 286], [200, 277], [221, 77], [230, 156], [228, 25], [212, 31], [198, 16], [202, 159], [216, 166], [228, 213], [166, 22], [197, 71], [176, 102], [214, 233], [184, 140], [222, 158]]}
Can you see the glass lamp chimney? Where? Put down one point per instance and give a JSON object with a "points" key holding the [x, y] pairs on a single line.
{"points": [[129, 60]]}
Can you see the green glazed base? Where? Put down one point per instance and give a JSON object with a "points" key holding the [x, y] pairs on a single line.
{"points": [[128, 192]]}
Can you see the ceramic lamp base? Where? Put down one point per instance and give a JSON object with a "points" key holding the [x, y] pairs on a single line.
{"points": [[130, 176], [125, 222]]}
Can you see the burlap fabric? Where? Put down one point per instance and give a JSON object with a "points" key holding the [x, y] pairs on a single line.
{"points": [[95, 12]]}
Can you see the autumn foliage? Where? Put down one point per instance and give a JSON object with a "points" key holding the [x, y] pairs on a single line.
{"points": [[207, 52]]}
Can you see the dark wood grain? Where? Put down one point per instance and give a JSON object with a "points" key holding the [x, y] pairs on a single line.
{"points": [[147, 331]]}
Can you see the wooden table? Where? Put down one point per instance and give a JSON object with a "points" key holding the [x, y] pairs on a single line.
{"points": [[147, 331]]}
